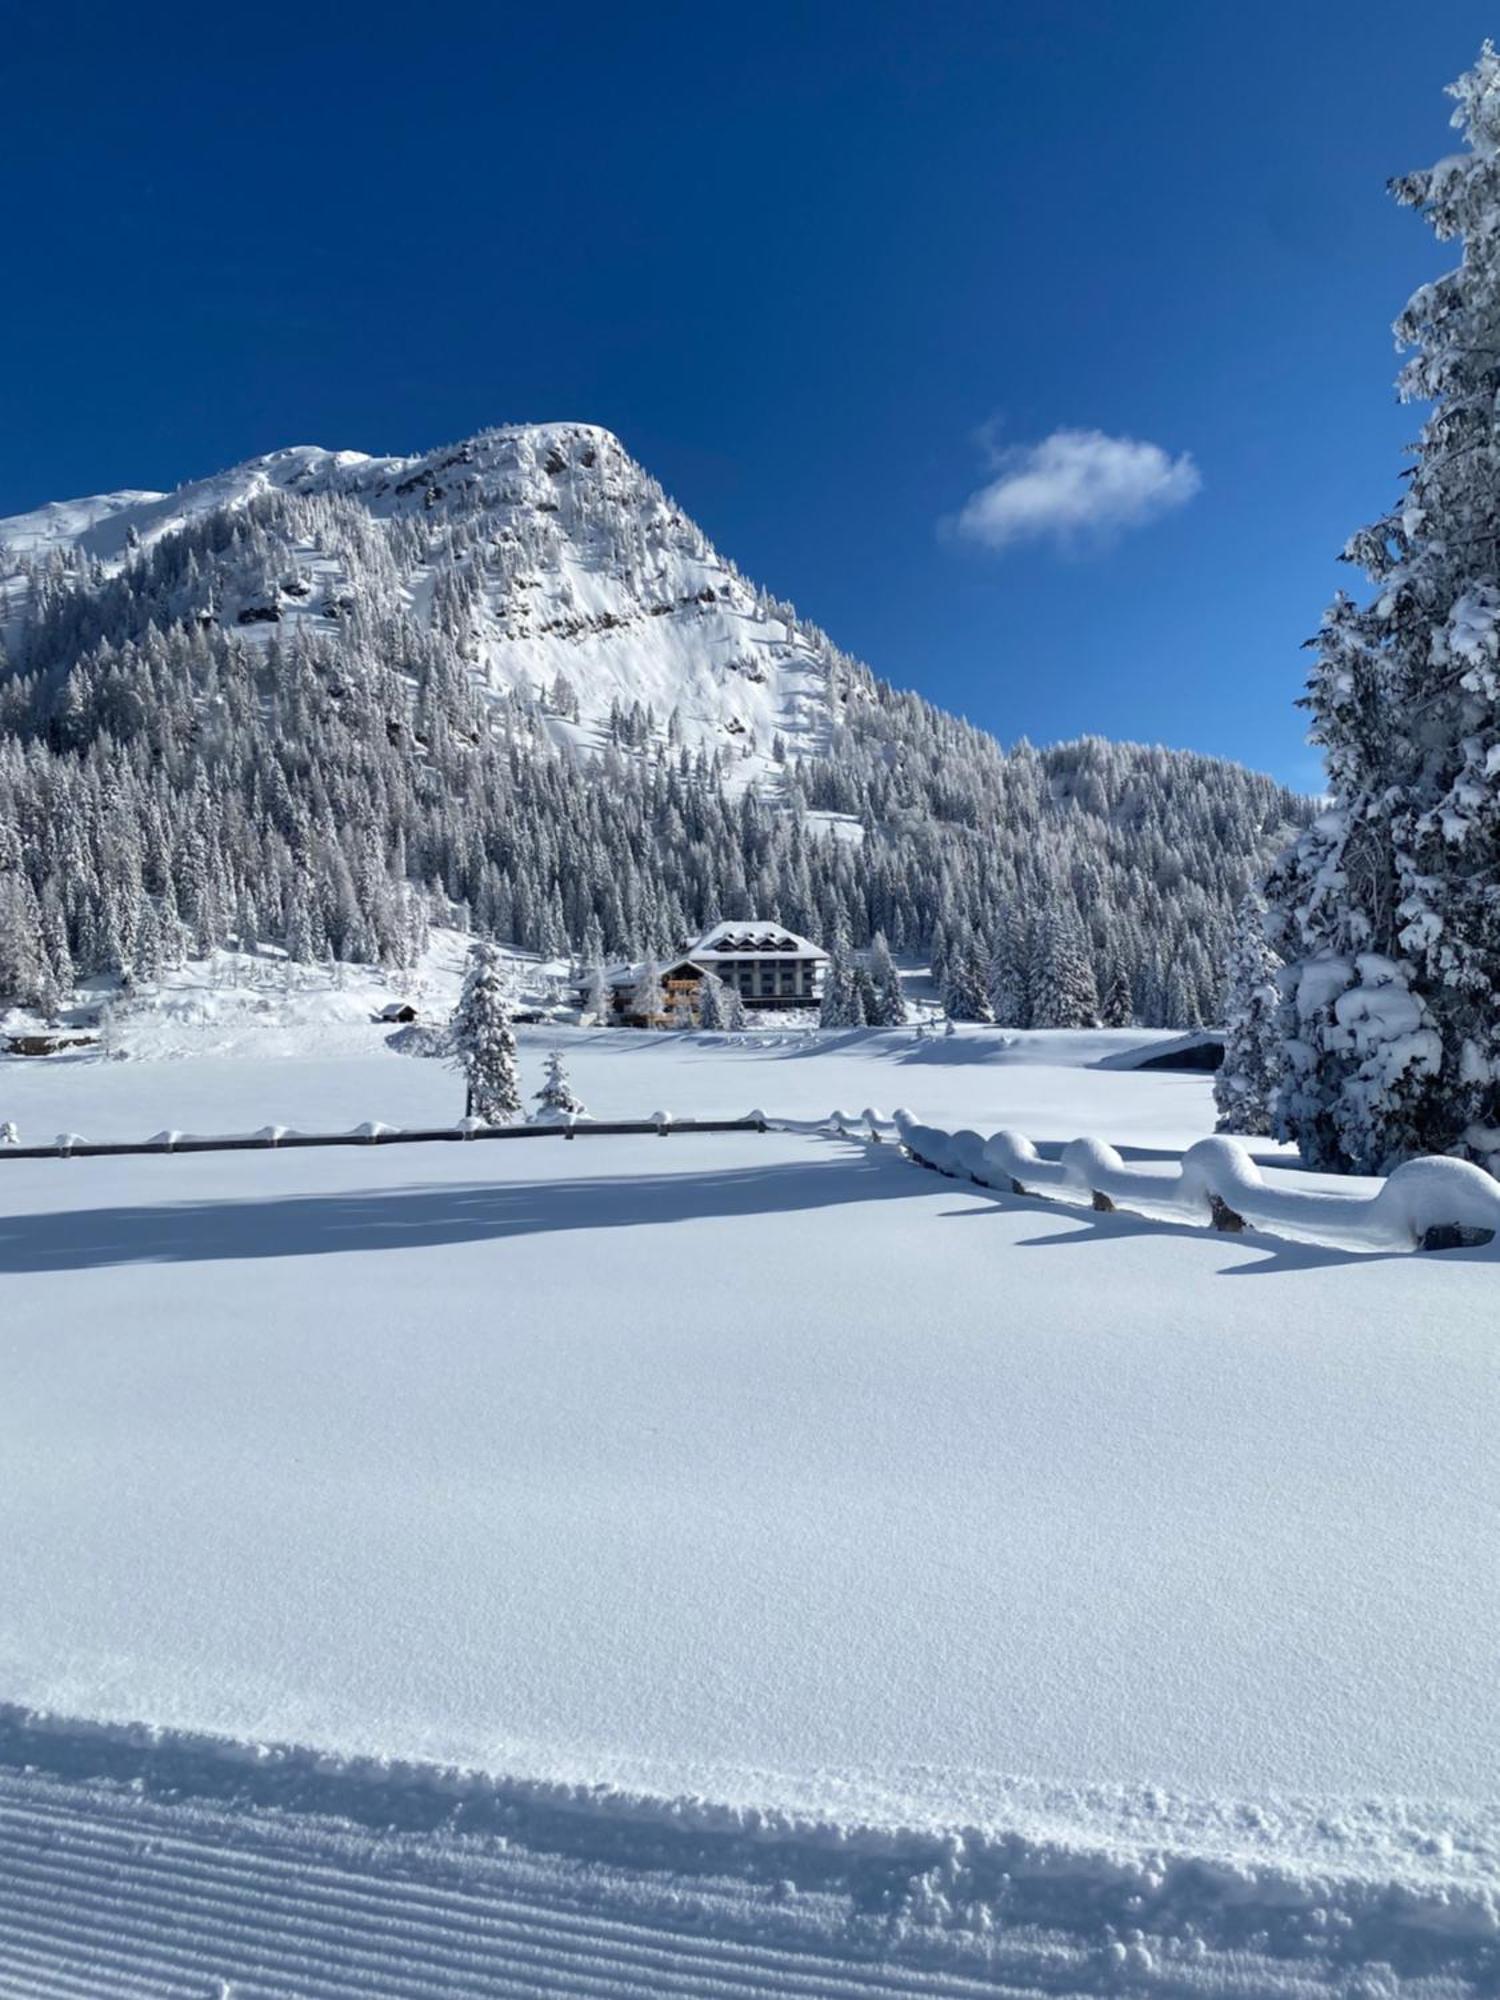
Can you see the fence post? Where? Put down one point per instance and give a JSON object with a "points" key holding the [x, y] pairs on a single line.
{"points": [[1454, 1236]]}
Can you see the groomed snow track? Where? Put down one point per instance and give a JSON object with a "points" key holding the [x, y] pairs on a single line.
{"points": [[103, 1892], [147, 1863]]}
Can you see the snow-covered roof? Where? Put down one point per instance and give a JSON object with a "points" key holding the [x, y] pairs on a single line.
{"points": [[749, 937]]}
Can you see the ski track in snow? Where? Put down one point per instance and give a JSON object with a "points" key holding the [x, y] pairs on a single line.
{"points": [[100, 1892], [144, 1863]]}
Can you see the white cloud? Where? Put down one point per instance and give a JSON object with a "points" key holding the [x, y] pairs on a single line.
{"points": [[1075, 486]]}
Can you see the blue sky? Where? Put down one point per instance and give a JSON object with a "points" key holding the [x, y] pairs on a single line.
{"points": [[831, 272]]}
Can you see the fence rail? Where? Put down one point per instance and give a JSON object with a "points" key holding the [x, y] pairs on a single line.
{"points": [[69, 1147], [1426, 1204]]}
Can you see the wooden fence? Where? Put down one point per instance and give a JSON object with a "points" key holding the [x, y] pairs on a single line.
{"points": [[69, 1147]]}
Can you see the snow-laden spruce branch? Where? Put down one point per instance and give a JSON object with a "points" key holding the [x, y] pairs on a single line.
{"points": [[1425, 1204]]}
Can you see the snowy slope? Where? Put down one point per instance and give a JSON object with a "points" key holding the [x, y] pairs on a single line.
{"points": [[506, 1462], [552, 552]]}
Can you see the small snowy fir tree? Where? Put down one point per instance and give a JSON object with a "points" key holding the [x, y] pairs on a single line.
{"points": [[1244, 1085], [865, 1002], [1387, 909], [889, 1006], [556, 1101], [648, 998], [965, 988], [596, 997], [1009, 972], [734, 1011], [839, 1006], [711, 1003], [1118, 1010], [483, 1042]]}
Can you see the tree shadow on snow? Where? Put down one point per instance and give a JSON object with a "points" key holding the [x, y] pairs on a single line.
{"points": [[420, 1217]]}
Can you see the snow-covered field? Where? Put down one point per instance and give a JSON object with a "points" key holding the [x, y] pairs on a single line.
{"points": [[833, 1578]]}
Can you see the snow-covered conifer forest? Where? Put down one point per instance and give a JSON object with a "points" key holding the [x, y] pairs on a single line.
{"points": [[322, 698]]}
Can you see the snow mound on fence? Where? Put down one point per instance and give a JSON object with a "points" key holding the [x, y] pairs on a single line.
{"points": [[1437, 1203], [1429, 1203]]}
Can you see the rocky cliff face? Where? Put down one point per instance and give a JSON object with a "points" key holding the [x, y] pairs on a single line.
{"points": [[555, 563]]}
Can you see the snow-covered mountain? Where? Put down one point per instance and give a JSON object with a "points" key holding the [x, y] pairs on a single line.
{"points": [[544, 550], [322, 698]]}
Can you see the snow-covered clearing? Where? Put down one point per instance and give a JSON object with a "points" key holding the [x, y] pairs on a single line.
{"points": [[767, 1471]]}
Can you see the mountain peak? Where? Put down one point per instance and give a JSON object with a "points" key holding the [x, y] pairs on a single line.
{"points": [[551, 558]]}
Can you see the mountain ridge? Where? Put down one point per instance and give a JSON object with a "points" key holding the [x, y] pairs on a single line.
{"points": [[571, 547], [323, 696]]}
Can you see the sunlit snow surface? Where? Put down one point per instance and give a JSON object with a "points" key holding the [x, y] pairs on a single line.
{"points": [[764, 1469]]}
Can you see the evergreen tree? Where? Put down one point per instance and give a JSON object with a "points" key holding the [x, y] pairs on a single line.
{"points": [[964, 987], [483, 1041], [597, 1006], [25, 972], [864, 1004], [1063, 991], [1245, 1084], [711, 1003], [888, 1009], [648, 999], [556, 1101], [1387, 909], [1118, 1010], [839, 1006], [1009, 973]]}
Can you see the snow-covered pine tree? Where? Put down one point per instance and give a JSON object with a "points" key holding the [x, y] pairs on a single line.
{"points": [[1118, 1008], [24, 969], [596, 997], [964, 990], [648, 999], [1062, 981], [839, 1006], [889, 1005], [483, 1042], [1244, 1085], [1387, 909], [557, 1100], [1008, 975], [734, 1011], [711, 1000]]}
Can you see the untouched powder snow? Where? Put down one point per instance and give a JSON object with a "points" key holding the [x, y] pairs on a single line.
{"points": [[678, 1463]]}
